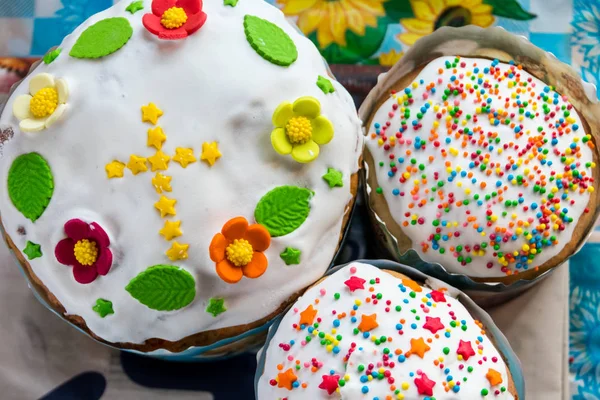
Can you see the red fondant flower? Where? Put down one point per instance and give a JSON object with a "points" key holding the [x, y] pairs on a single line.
{"points": [[174, 19], [85, 249]]}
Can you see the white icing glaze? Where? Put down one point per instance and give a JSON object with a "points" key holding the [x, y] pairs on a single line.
{"points": [[400, 203], [212, 86], [321, 297]]}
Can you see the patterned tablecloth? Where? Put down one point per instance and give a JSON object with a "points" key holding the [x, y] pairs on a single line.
{"points": [[367, 32]]}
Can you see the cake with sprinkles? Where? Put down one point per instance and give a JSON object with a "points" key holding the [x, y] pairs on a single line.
{"points": [[480, 167], [368, 333], [175, 172]]}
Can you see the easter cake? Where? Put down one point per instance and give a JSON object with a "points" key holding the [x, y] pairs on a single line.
{"points": [[176, 172], [480, 167], [369, 333]]}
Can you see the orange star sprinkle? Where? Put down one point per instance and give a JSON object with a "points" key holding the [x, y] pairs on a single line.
{"points": [[308, 316], [368, 323], [286, 379], [412, 284], [494, 377], [418, 347]]}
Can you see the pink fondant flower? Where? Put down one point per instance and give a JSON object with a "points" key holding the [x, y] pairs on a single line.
{"points": [[85, 249], [174, 19]]}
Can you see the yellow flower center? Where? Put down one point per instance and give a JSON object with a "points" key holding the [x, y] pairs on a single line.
{"points": [[86, 252], [299, 130], [239, 252], [44, 102], [173, 18]]}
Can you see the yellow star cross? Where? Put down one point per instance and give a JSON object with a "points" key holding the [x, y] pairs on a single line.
{"points": [[114, 169], [159, 161], [171, 229], [210, 152], [178, 251], [156, 137], [151, 113], [137, 164], [184, 156], [165, 206], [161, 183]]}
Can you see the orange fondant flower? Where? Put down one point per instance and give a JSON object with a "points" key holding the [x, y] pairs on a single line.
{"points": [[238, 250]]}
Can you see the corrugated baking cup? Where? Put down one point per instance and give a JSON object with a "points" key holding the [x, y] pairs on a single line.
{"points": [[491, 43]]}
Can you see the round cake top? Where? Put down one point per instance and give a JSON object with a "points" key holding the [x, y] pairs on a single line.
{"points": [[178, 167], [485, 168], [364, 333]]}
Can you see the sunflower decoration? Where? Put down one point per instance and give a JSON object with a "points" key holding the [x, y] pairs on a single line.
{"points": [[433, 14], [332, 18]]}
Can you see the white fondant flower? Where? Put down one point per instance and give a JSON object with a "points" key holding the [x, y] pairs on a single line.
{"points": [[44, 105]]}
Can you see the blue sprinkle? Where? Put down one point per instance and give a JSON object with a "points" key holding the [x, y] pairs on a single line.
{"points": [[365, 389], [575, 127], [401, 358], [395, 192], [498, 183], [336, 322], [413, 325]]}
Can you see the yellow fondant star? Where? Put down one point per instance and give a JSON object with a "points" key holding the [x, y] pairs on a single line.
{"points": [[171, 230], [210, 152], [161, 183], [156, 137], [114, 169], [137, 164], [165, 206], [184, 156], [178, 251], [151, 113], [159, 161]]}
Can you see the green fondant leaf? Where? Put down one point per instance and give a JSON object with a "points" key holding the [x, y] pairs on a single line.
{"points": [[102, 38], [30, 185], [163, 288], [283, 209], [51, 56], [270, 41]]}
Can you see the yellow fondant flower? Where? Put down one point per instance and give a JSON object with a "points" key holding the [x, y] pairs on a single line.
{"points": [[44, 105], [433, 14], [332, 18], [300, 129]]}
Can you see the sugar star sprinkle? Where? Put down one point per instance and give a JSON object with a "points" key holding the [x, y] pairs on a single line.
{"points": [[103, 307], [162, 183], [135, 6], [216, 306], [333, 177], [151, 113], [325, 85], [291, 256], [166, 206], [114, 169], [210, 152], [171, 230], [32, 250], [184, 156], [156, 137], [178, 251]]}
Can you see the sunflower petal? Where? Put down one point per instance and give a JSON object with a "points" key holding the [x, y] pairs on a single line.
{"points": [[409, 38], [422, 10], [293, 7], [355, 21], [307, 106], [309, 21], [306, 152], [482, 20], [322, 130], [21, 108], [40, 81], [324, 35], [338, 24], [437, 6], [280, 141], [282, 114], [482, 9], [417, 26]]}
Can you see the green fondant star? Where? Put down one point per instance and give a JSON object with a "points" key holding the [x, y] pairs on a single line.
{"points": [[216, 306], [231, 3], [325, 85], [32, 250], [51, 55], [333, 177], [135, 6], [103, 307], [291, 256]]}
